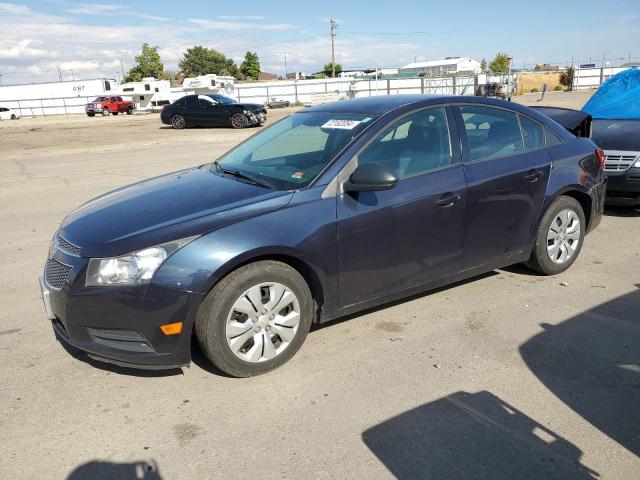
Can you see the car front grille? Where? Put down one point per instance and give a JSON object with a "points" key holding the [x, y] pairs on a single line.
{"points": [[67, 246], [56, 273], [619, 161]]}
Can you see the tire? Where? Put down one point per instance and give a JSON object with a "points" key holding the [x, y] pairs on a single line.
{"points": [[115, 113], [238, 120], [105, 112], [129, 111], [178, 122], [564, 235], [13, 116], [91, 114], [219, 323]]}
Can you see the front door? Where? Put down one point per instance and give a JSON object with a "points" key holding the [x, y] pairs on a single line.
{"points": [[412, 234], [504, 184]]}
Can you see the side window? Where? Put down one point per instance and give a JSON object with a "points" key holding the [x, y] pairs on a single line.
{"points": [[551, 139], [413, 145], [492, 132], [107, 86], [180, 102], [147, 87], [532, 134], [191, 100]]}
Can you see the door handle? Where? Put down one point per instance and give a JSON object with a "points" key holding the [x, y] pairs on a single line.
{"points": [[448, 199], [533, 175]]}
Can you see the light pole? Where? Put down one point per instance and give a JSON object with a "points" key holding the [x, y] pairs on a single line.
{"points": [[509, 79]]}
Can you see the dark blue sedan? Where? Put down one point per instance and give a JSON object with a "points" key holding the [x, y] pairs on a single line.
{"points": [[332, 210]]}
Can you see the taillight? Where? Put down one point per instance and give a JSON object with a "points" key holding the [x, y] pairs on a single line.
{"points": [[601, 156]]}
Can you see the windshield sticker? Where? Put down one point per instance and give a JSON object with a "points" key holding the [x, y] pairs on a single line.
{"points": [[297, 175], [342, 124]]}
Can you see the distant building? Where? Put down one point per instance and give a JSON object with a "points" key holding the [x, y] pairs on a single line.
{"points": [[351, 74], [445, 66], [545, 67]]}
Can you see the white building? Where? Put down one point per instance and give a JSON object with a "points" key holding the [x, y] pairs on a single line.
{"points": [[146, 94], [54, 98], [445, 66]]}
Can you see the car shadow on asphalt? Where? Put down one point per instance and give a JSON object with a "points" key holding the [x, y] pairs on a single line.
{"points": [[610, 211], [416, 296], [473, 435], [591, 362], [103, 470]]}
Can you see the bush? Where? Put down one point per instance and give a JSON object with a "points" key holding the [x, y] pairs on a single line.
{"points": [[557, 88]]}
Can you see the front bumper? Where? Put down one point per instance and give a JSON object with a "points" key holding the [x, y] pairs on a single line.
{"points": [[624, 187], [121, 325], [257, 118]]}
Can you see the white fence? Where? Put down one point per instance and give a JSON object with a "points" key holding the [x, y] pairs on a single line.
{"points": [[587, 78], [35, 107], [308, 91]]}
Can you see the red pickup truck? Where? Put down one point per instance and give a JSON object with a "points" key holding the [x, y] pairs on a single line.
{"points": [[108, 105]]}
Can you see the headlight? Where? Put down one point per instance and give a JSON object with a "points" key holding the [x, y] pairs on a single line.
{"points": [[132, 269], [637, 164]]}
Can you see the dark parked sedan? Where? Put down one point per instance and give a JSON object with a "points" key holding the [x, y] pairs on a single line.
{"points": [[337, 208], [212, 110]]}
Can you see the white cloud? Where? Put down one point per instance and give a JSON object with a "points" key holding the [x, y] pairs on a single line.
{"points": [[241, 17], [97, 9], [14, 8], [224, 25], [21, 49]]}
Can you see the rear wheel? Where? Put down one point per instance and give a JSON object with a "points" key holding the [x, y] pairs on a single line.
{"points": [[105, 112], [178, 122], [238, 120], [255, 319], [559, 237], [115, 113], [13, 116]]}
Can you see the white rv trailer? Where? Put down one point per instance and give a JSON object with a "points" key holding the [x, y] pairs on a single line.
{"points": [[150, 94], [54, 98]]}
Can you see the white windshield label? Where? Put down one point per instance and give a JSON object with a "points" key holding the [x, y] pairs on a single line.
{"points": [[343, 124]]}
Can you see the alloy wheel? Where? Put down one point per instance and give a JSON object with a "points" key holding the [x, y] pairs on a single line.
{"points": [[262, 322], [238, 120], [563, 236], [177, 122]]}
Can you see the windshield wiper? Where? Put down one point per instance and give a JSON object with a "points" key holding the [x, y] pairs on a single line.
{"points": [[238, 174]]}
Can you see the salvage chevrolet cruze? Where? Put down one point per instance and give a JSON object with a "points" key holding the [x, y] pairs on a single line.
{"points": [[332, 210]]}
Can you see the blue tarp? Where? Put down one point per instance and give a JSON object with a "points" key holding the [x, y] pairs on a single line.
{"points": [[618, 97]]}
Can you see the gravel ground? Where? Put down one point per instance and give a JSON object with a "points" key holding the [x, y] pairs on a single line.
{"points": [[508, 375]]}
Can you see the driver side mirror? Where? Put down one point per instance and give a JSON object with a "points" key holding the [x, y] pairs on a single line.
{"points": [[370, 177]]}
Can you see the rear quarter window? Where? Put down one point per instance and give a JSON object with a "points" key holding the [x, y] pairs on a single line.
{"points": [[532, 134]]}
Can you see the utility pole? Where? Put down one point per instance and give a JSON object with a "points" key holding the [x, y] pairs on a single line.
{"points": [[73, 77], [286, 70], [334, 27], [122, 69]]}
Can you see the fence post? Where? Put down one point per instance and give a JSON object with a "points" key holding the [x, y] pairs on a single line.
{"points": [[64, 105], [295, 89], [601, 75], [267, 94], [453, 80], [238, 89], [421, 84], [388, 86], [42, 107]]}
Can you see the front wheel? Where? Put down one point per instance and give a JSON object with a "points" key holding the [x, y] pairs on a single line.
{"points": [[255, 319], [91, 114], [13, 116], [239, 120], [559, 237]]}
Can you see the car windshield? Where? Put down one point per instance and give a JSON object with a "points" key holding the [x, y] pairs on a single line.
{"points": [[222, 99], [294, 151]]}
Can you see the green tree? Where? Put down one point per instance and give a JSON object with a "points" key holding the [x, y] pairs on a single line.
{"points": [[148, 64], [483, 65], [500, 64], [200, 60], [328, 70], [250, 67]]}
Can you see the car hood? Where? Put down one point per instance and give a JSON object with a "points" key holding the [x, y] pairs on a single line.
{"points": [[161, 209], [251, 106], [617, 134]]}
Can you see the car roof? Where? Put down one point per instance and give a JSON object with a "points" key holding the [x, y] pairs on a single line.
{"points": [[386, 103]]}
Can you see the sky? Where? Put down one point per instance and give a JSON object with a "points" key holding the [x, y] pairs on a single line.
{"points": [[90, 39]]}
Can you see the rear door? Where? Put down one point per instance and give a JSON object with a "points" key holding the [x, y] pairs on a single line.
{"points": [[505, 184], [391, 240]]}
